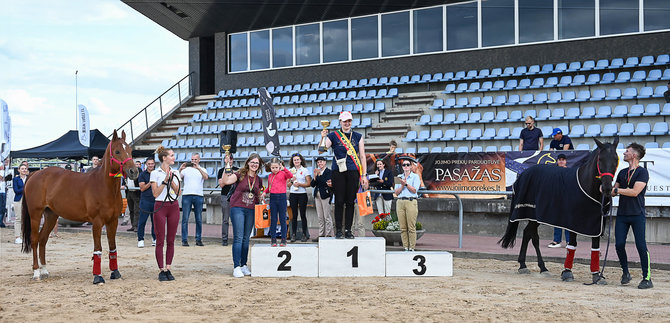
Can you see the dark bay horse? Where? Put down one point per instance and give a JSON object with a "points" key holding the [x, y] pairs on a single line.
{"points": [[569, 198], [86, 197]]}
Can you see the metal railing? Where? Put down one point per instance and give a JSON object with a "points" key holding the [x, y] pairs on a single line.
{"points": [[457, 194], [155, 112]]}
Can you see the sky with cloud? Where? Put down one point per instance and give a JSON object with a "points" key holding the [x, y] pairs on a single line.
{"points": [[123, 59]]}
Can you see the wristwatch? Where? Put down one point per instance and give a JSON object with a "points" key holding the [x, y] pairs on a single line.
{"points": [[616, 191]]}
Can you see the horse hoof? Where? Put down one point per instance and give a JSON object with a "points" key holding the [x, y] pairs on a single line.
{"points": [[567, 276], [44, 276], [115, 274], [98, 280], [598, 280], [36, 278], [524, 271], [545, 273]]}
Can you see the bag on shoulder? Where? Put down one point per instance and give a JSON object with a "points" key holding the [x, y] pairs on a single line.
{"points": [[342, 164]]}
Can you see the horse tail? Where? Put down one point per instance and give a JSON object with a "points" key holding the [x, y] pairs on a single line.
{"points": [[507, 241], [25, 221]]}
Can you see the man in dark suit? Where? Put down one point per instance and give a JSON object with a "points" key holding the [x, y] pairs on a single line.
{"points": [[322, 194], [384, 181]]}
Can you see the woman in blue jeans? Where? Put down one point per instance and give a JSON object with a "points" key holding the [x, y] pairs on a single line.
{"points": [[247, 194]]}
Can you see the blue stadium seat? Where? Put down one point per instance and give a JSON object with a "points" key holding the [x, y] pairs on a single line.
{"points": [[612, 94], [578, 80], [666, 110], [651, 145], [616, 63], [609, 130], [487, 117], [572, 113], [660, 129], [557, 114], [462, 118], [588, 113], [583, 96], [520, 70], [448, 150], [638, 76], [462, 149], [560, 68], [629, 93], [540, 98], [645, 93], [543, 114], [602, 64], [502, 116], [484, 73], [503, 133], [574, 67], [646, 61], [505, 148], [583, 147], [642, 129], [475, 117], [474, 87], [435, 135], [565, 81], [432, 150], [450, 88], [554, 97], [592, 79], [436, 119], [526, 99], [497, 85], [437, 104], [499, 101], [546, 131], [515, 116], [512, 85], [476, 149], [658, 92], [577, 131], [607, 78], [631, 62], [652, 110], [662, 59], [488, 134], [588, 65], [474, 102], [623, 77], [626, 129], [636, 110], [546, 69], [619, 111], [533, 69], [449, 134], [523, 84], [471, 74], [516, 133], [513, 99], [491, 149], [495, 73], [654, 75], [449, 118], [551, 82], [461, 134], [537, 83], [437, 77], [592, 131], [424, 120], [410, 137], [599, 95], [666, 144], [461, 103], [486, 86], [461, 88]]}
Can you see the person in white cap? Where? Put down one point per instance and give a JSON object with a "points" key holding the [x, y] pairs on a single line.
{"points": [[349, 171]]}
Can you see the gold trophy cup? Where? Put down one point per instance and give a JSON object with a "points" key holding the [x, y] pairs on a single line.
{"points": [[228, 167], [322, 143]]}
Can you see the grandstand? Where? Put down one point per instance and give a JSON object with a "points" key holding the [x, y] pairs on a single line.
{"points": [[436, 76]]}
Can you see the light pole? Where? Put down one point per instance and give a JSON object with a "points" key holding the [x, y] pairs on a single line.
{"points": [[76, 100]]}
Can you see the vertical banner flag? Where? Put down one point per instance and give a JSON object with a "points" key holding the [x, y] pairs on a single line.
{"points": [[6, 135], [269, 122], [83, 126]]}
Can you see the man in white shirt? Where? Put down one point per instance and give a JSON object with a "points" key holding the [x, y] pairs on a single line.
{"points": [[194, 178]]}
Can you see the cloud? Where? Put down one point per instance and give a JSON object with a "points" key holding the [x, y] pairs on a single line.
{"points": [[21, 101]]}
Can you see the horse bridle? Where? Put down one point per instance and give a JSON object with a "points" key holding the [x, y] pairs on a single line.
{"points": [[112, 159], [601, 174]]}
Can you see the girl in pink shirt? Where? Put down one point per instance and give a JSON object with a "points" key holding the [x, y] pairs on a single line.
{"points": [[277, 189]]}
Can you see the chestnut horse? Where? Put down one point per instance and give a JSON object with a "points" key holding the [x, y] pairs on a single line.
{"points": [[86, 197], [541, 196]]}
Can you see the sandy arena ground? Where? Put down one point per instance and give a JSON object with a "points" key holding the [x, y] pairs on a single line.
{"points": [[204, 290]]}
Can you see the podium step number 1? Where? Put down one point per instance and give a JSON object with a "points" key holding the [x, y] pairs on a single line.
{"points": [[363, 256]]}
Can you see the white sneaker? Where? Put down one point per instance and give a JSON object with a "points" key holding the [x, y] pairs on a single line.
{"points": [[140, 244], [18, 240], [153, 242], [246, 271], [410, 249], [406, 249], [554, 245], [237, 272]]}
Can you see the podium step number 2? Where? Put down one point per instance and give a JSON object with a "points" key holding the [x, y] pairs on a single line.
{"points": [[292, 260]]}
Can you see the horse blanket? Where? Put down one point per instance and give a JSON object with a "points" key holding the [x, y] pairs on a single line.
{"points": [[553, 196]]}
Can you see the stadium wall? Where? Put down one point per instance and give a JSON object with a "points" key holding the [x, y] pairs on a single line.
{"points": [[552, 52]]}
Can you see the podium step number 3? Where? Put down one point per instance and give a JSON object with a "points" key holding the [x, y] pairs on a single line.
{"points": [[419, 263]]}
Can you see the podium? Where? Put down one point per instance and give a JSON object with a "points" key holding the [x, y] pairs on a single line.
{"points": [[359, 257]]}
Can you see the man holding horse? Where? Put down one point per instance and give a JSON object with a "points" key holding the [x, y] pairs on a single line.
{"points": [[630, 186]]}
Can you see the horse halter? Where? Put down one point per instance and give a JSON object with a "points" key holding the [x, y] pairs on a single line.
{"points": [[601, 174], [112, 159]]}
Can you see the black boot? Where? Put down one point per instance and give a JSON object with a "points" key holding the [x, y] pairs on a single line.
{"points": [[339, 235]]}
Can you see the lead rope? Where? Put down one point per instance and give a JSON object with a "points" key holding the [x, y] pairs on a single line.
{"points": [[607, 249]]}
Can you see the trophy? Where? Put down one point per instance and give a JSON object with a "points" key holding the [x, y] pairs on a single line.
{"points": [[322, 143], [228, 167]]}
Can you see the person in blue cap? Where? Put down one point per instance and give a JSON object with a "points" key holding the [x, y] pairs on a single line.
{"points": [[560, 141]]}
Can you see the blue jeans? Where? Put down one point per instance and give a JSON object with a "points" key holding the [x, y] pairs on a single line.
{"points": [[558, 234], [278, 210], [3, 208], [243, 221], [146, 212], [196, 202], [637, 223]]}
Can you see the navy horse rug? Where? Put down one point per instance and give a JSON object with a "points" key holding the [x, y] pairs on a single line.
{"points": [[553, 196]]}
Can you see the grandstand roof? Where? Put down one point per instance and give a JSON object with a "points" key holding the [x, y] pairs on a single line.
{"points": [[203, 18]]}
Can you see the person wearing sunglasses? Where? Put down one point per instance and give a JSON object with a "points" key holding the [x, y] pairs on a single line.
{"points": [[531, 136], [406, 206], [349, 171]]}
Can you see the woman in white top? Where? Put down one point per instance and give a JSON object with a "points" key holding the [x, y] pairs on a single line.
{"points": [[406, 207], [298, 196], [165, 187]]}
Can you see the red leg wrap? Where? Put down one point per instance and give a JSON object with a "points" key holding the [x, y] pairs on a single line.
{"points": [[595, 260], [96, 265], [112, 261], [569, 258]]}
